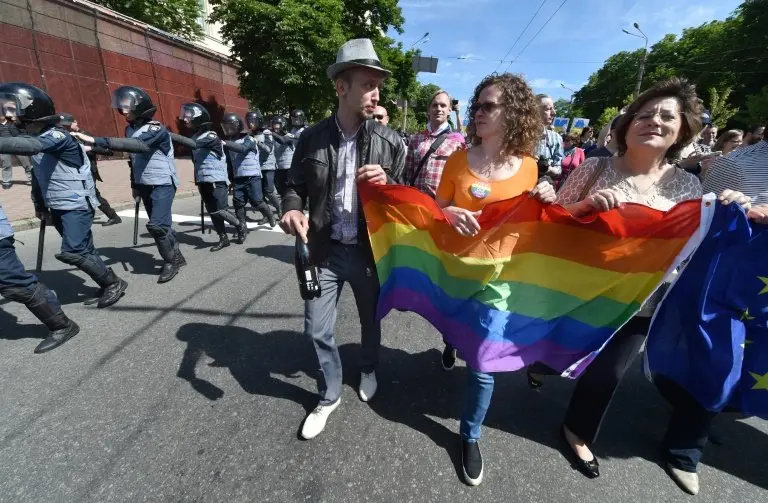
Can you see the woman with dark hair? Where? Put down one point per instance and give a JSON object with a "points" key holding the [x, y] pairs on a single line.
{"points": [[650, 136], [504, 130]]}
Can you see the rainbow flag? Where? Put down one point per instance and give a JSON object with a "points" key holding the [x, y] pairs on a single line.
{"points": [[536, 284]]}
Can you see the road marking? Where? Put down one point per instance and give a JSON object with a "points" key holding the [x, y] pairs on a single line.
{"points": [[187, 218]]}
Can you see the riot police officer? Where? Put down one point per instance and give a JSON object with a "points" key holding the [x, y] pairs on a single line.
{"points": [[62, 185], [210, 171], [153, 170], [246, 169], [266, 143], [287, 145], [68, 122]]}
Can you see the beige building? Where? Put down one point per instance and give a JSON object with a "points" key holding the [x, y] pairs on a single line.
{"points": [[212, 31]]}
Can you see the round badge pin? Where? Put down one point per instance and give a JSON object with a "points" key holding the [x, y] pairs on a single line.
{"points": [[479, 190]]}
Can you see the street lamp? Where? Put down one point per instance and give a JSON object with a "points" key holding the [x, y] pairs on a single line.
{"points": [[420, 41], [568, 89], [640, 70]]}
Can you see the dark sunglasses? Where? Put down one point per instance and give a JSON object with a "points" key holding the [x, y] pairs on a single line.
{"points": [[379, 117], [486, 107]]}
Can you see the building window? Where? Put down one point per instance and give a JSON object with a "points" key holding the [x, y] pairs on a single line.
{"points": [[203, 18]]}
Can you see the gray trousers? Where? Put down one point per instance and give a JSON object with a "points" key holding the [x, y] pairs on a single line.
{"points": [[345, 264], [7, 165]]}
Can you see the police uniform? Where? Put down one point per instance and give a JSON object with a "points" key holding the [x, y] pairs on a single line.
{"points": [[268, 161], [284, 155], [63, 186], [154, 178], [247, 175], [212, 182]]}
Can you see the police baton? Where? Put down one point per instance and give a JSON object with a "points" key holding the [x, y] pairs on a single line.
{"points": [[137, 200], [40, 245], [202, 217]]}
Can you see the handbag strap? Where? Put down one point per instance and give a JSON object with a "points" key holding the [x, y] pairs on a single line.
{"points": [[432, 149], [602, 164]]}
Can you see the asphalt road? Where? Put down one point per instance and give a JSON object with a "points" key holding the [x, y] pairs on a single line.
{"points": [[195, 391]]}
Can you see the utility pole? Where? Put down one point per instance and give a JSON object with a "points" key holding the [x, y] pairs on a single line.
{"points": [[641, 70]]}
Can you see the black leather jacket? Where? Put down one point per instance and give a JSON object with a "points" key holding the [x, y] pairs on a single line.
{"points": [[313, 176]]}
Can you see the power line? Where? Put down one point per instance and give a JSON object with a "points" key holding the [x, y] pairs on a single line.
{"points": [[536, 35], [521, 34]]}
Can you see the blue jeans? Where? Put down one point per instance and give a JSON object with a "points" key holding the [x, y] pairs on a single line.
{"points": [[689, 426], [158, 201], [268, 181], [476, 402], [247, 189]]}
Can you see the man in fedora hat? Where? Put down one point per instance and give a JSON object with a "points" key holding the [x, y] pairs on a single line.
{"points": [[330, 159]]}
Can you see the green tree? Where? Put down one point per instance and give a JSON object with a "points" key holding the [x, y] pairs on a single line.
{"points": [[179, 17], [610, 85], [757, 106], [285, 46], [719, 110], [606, 117]]}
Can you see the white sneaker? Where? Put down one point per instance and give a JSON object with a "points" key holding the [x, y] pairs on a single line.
{"points": [[688, 481], [315, 421], [368, 385]]}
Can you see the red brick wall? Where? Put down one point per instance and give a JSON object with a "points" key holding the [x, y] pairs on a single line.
{"points": [[79, 56]]}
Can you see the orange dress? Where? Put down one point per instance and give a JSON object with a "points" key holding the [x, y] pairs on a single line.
{"points": [[460, 185]]}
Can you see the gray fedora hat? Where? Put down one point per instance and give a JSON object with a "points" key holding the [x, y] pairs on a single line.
{"points": [[358, 52]]}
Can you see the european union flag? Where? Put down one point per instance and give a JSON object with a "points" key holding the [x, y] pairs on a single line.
{"points": [[710, 333]]}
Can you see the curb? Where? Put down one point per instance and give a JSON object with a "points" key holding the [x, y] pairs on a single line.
{"points": [[33, 223]]}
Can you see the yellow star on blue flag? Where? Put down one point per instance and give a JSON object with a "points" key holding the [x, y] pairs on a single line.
{"points": [[761, 381], [765, 281]]}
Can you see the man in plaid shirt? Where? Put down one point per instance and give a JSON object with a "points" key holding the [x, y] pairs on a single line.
{"points": [[428, 178]]}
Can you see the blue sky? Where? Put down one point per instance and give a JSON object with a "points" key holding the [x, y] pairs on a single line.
{"points": [[570, 47]]}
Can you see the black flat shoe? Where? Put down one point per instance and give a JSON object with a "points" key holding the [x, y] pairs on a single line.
{"points": [[590, 469]]}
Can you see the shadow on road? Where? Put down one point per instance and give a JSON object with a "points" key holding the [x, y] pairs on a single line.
{"points": [[11, 330], [251, 358], [283, 253], [413, 389], [70, 288], [132, 259]]}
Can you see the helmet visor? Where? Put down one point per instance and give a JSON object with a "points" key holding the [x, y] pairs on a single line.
{"points": [[125, 101], [230, 128], [188, 113]]}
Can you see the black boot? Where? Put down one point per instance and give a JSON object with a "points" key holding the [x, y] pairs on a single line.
{"points": [[274, 198], [223, 243], [178, 257], [167, 252], [113, 288], [62, 330], [240, 225], [267, 212], [43, 303]]}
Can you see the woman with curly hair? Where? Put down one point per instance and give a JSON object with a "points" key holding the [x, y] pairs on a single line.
{"points": [[504, 130], [650, 137]]}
